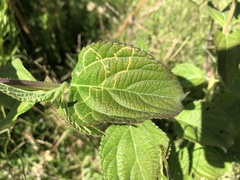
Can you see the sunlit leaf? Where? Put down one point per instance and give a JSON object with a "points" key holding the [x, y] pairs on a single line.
{"points": [[133, 151], [189, 74], [221, 17], [207, 124], [31, 96], [208, 163], [114, 82], [217, 15], [179, 164], [17, 109], [14, 70]]}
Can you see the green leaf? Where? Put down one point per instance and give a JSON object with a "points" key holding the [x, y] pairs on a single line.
{"points": [[179, 164], [222, 17], [141, 43], [62, 109], [228, 51], [31, 96], [17, 109], [14, 70], [209, 163], [231, 106], [133, 151], [115, 82], [207, 124], [217, 15], [189, 74], [234, 151], [90, 130]]}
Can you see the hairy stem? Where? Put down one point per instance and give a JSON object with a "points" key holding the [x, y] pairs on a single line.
{"points": [[29, 85]]}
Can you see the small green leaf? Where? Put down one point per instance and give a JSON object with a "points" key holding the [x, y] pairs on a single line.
{"points": [[207, 124], [222, 17], [179, 164], [189, 74], [17, 109], [228, 51], [14, 70], [209, 163], [217, 15], [115, 82], [133, 151], [30, 96]]}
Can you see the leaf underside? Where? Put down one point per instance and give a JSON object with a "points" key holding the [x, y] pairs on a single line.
{"points": [[113, 82]]}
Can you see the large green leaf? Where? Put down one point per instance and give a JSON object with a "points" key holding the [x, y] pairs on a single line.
{"points": [[228, 50], [189, 74], [207, 124], [133, 151], [114, 82]]}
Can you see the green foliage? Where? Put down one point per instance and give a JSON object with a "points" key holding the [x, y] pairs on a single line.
{"points": [[15, 70], [221, 17], [208, 162], [228, 50], [204, 138], [107, 75], [189, 74], [31, 96], [126, 156], [125, 79], [197, 123], [211, 123]]}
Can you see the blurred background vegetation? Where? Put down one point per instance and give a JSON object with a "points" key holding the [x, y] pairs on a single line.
{"points": [[47, 36]]}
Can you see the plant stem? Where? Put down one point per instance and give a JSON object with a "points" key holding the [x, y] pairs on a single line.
{"points": [[230, 15], [29, 85]]}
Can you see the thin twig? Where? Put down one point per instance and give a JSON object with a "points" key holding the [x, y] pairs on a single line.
{"points": [[171, 49], [129, 17], [180, 48], [230, 15]]}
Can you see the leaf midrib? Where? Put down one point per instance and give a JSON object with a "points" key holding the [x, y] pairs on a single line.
{"points": [[124, 90]]}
